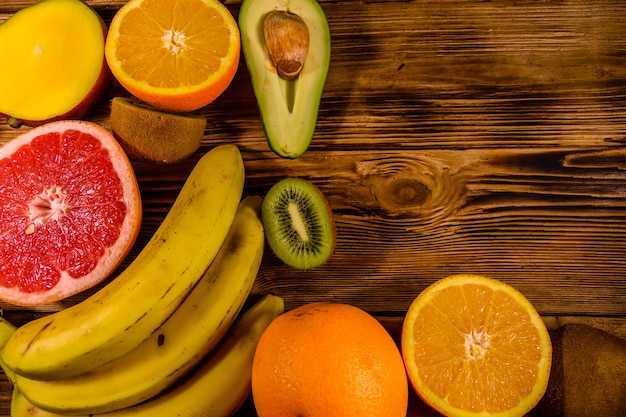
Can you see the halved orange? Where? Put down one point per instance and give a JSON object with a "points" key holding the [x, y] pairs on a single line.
{"points": [[475, 346], [178, 55]]}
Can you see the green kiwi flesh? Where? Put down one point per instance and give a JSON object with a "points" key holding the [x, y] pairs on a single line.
{"points": [[298, 223]]}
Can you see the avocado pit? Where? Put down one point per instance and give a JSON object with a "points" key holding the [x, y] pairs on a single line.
{"points": [[287, 39]]}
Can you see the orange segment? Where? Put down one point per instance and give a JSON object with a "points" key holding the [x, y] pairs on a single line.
{"points": [[178, 55], [475, 346]]}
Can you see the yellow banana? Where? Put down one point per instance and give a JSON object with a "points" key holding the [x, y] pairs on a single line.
{"points": [[6, 331], [192, 331], [219, 386], [121, 315], [21, 407]]}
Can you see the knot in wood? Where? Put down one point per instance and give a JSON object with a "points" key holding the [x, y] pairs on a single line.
{"points": [[413, 187], [405, 193]]}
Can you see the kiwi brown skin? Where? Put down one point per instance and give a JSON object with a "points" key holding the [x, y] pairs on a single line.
{"points": [[279, 234], [148, 134], [588, 375]]}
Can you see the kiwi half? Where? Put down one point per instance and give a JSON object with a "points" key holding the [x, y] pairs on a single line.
{"points": [[148, 134], [588, 376], [298, 223]]}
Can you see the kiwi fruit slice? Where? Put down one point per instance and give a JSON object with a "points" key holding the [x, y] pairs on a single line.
{"points": [[298, 223], [148, 134]]}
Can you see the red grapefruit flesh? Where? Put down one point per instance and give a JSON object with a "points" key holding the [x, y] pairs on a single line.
{"points": [[70, 211]]}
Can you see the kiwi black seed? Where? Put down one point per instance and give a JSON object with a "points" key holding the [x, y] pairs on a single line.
{"points": [[298, 223]]}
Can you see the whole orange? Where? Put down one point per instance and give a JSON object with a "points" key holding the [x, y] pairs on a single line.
{"points": [[328, 360]]}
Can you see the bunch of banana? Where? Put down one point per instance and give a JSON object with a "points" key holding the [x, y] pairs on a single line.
{"points": [[183, 293], [192, 331], [216, 387], [120, 316]]}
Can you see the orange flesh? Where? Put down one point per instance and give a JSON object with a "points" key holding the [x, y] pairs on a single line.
{"points": [[185, 44], [51, 55], [476, 348]]}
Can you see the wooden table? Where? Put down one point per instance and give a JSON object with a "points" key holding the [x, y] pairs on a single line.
{"points": [[453, 136]]}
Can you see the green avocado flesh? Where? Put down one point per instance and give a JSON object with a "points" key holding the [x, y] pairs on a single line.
{"points": [[288, 108]]}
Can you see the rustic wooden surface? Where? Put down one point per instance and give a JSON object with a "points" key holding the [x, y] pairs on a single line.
{"points": [[453, 136]]}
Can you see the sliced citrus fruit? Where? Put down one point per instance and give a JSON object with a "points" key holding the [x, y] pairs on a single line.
{"points": [[178, 55], [71, 210], [475, 346]]}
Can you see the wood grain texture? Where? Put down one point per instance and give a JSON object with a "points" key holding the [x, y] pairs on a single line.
{"points": [[453, 136]]}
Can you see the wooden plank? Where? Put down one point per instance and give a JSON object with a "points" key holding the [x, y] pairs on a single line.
{"points": [[453, 136]]}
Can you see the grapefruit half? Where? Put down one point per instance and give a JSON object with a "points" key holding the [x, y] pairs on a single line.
{"points": [[70, 211]]}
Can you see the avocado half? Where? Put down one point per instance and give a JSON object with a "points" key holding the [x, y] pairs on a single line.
{"points": [[288, 108]]}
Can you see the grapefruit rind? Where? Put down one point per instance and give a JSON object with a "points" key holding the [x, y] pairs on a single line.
{"points": [[113, 255], [409, 347]]}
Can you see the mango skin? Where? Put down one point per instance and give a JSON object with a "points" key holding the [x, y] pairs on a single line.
{"points": [[91, 98]]}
